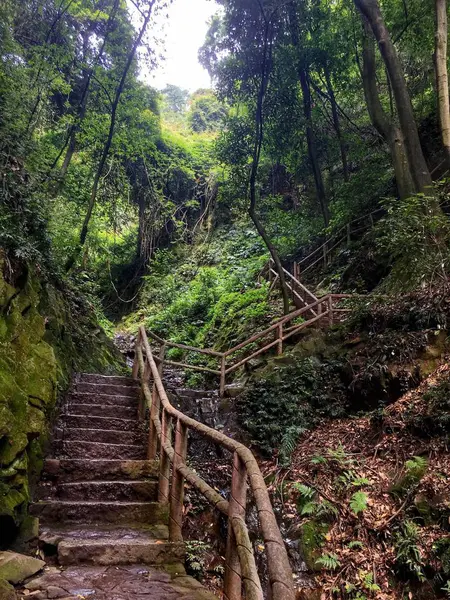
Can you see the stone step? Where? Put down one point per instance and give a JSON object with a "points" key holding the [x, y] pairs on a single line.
{"points": [[103, 399], [67, 469], [81, 449], [107, 379], [99, 410], [66, 511], [106, 388], [119, 551], [105, 436], [132, 490], [90, 422]]}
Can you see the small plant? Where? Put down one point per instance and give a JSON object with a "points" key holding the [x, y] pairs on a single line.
{"points": [[367, 581], [409, 560], [358, 502], [329, 561], [310, 506], [413, 471], [288, 443], [195, 557], [355, 544], [446, 589], [318, 460]]}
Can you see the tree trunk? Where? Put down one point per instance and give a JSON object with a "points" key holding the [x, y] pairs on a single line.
{"points": [[442, 75], [303, 75], [384, 124], [418, 166], [71, 138], [312, 146], [119, 89], [336, 123], [259, 135]]}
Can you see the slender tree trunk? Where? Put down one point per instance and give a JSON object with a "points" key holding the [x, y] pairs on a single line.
{"points": [[303, 75], [336, 123], [383, 123], [418, 166], [442, 75], [312, 145], [259, 136], [107, 146], [71, 138]]}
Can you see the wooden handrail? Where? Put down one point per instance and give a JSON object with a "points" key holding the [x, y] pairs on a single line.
{"points": [[322, 309], [240, 569]]}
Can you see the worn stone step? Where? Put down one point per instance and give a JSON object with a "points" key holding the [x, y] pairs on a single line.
{"points": [[80, 449], [65, 511], [107, 379], [67, 469], [106, 388], [119, 551], [105, 436], [103, 399], [99, 410], [90, 422], [136, 491]]}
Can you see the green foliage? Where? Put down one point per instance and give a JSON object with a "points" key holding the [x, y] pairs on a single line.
{"points": [[329, 561], [414, 236], [288, 396], [414, 470], [409, 561], [288, 443], [358, 502], [309, 505]]}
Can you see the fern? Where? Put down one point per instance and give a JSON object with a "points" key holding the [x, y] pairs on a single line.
{"points": [[366, 578], [310, 508], [416, 464], [318, 460], [355, 544], [288, 443], [329, 561], [305, 491], [361, 482], [358, 502]]}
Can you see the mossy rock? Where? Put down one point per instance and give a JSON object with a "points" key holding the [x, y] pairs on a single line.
{"points": [[7, 591], [312, 538]]}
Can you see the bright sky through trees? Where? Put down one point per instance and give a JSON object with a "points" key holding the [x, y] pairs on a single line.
{"points": [[183, 33]]}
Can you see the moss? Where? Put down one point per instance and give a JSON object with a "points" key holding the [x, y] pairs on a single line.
{"points": [[44, 337], [312, 538], [7, 591]]}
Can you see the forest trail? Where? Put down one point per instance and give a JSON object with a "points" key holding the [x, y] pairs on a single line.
{"points": [[98, 507]]}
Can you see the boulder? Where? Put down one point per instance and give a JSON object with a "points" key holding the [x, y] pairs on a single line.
{"points": [[7, 592], [16, 567]]}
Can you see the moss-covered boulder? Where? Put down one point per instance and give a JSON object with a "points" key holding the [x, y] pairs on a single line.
{"points": [[312, 538]]}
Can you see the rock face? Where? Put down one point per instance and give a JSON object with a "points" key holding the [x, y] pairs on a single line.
{"points": [[15, 568], [41, 341]]}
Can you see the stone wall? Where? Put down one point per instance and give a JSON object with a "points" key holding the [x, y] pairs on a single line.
{"points": [[46, 333]]}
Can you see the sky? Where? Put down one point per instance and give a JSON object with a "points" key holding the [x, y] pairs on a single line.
{"points": [[183, 34]]}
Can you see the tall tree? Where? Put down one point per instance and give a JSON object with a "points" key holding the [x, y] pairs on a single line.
{"points": [[442, 74], [112, 122], [383, 123], [370, 9], [304, 78]]}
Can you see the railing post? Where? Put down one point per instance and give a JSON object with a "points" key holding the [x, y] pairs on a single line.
{"points": [[164, 460], [154, 411], [177, 487], [135, 371], [238, 498], [280, 339], [330, 310], [223, 368]]}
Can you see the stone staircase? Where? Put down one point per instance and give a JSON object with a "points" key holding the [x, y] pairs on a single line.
{"points": [[97, 501]]}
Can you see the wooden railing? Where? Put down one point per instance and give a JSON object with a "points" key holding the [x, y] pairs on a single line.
{"points": [[325, 310], [240, 569], [342, 236]]}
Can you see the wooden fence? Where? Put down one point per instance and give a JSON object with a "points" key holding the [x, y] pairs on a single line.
{"points": [[241, 574], [326, 310]]}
